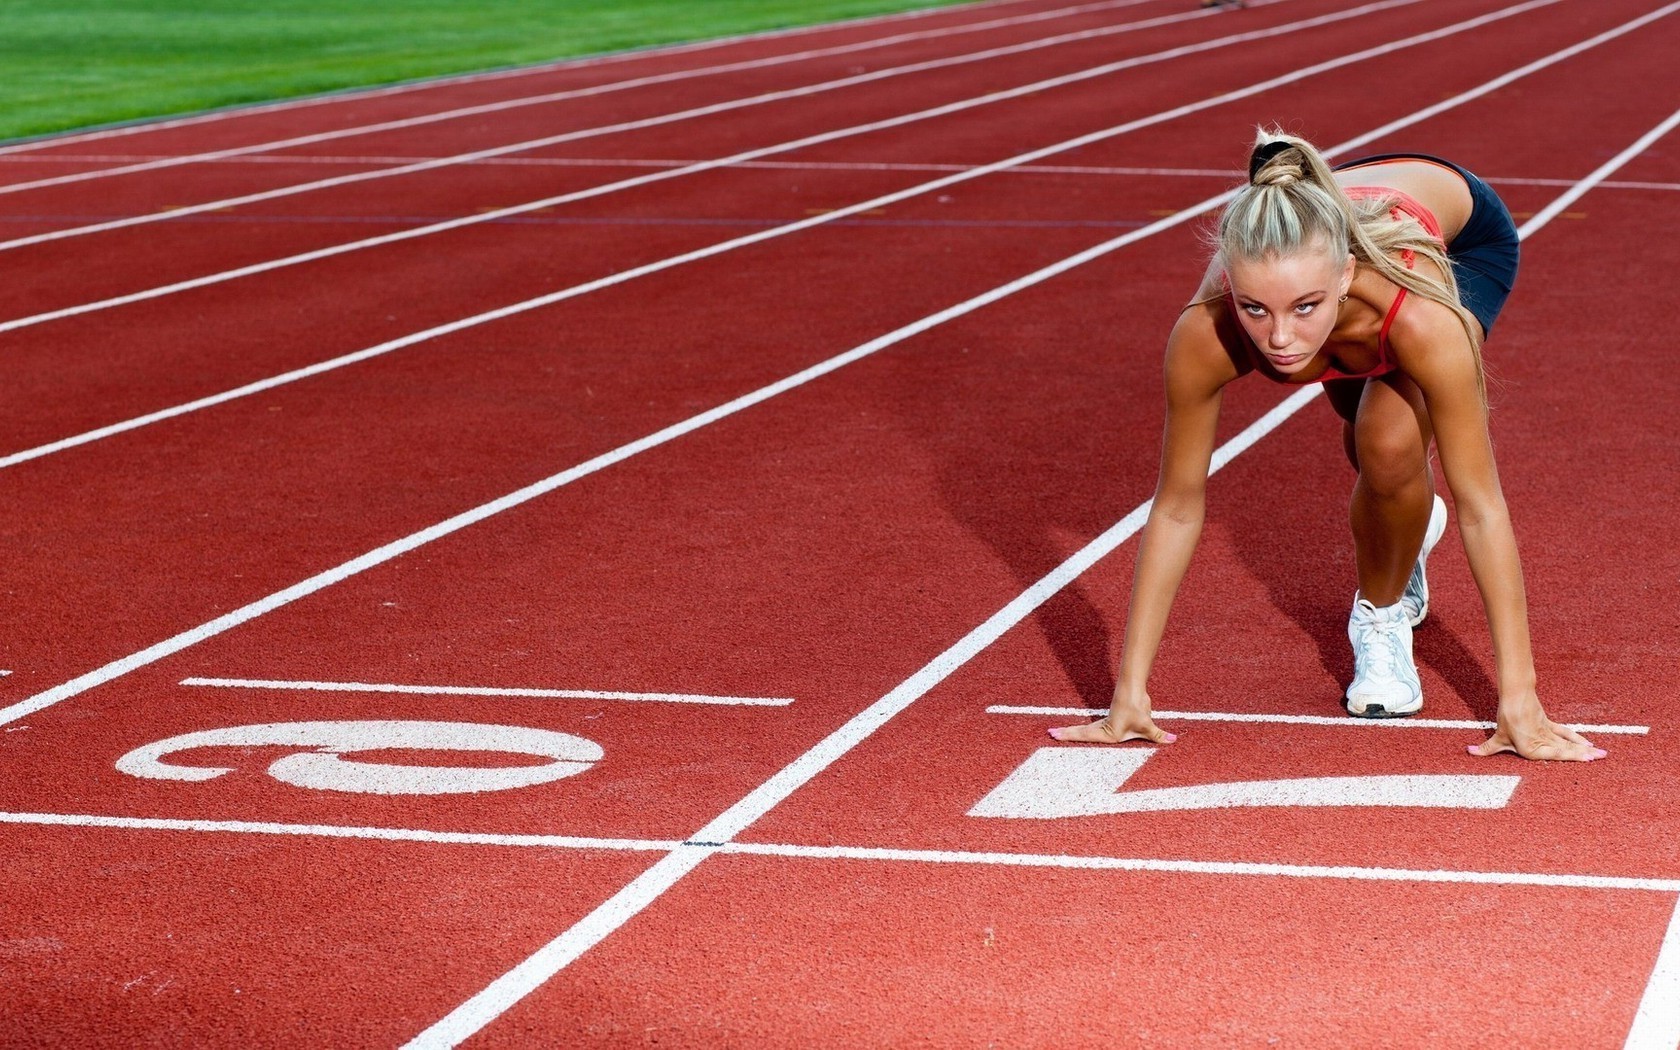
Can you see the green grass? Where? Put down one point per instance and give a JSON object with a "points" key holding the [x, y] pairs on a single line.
{"points": [[74, 63]]}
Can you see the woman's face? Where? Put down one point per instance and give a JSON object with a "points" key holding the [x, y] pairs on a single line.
{"points": [[1287, 303]]}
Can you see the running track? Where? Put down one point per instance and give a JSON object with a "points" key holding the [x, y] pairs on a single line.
{"points": [[683, 486]]}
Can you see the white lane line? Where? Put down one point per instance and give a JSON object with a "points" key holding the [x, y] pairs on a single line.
{"points": [[837, 165], [449, 80], [496, 998], [380, 555], [247, 827], [319, 368], [493, 691], [1656, 1023], [661, 120], [794, 851], [552, 97], [1305, 720], [814, 165], [1203, 867]]}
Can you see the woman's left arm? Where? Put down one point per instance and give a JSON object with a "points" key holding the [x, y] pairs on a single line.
{"points": [[1433, 349]]}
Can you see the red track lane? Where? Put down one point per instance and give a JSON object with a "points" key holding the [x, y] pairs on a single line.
{"points": [[263, 941], [833, 953], [823, 547]]}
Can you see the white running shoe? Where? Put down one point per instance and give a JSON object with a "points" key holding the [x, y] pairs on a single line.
{"points": [[1416, 596], [1385, 681]]}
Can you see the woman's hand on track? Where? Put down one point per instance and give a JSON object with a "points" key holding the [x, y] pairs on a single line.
{"points": [[1125, 721], [1533, 735]]}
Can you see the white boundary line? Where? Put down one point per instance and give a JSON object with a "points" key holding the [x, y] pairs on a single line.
{"points": [[793, 165], [1656, 1023], [503, 105], [1554, 880], [448, 80], [719, 248], [713, 109], [396, 548], [1343, 721], [249, 827], [501, 994], [488, 691]]}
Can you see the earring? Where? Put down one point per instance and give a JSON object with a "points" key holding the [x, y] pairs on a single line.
{"points": [[1343, 298]]}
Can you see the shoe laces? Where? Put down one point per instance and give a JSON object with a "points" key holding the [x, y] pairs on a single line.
{"points": [[1379, 641]]}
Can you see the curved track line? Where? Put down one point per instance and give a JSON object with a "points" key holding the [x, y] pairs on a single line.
{"points": [[477, 1012], [553, 96], [381, 349], [448, 80], [580, 134]]}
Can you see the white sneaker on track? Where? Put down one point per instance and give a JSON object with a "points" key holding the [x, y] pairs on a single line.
{"points": [[1416, 595], [1385, 680]]}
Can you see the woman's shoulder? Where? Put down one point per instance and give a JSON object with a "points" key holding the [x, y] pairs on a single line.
{"points": [[1205, 349]]}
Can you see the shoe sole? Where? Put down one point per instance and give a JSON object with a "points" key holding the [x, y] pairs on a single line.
{"points": [[1379, 711]]}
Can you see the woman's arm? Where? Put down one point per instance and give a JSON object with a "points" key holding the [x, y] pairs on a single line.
{"points": [[1196, 370], [1434, 351]]}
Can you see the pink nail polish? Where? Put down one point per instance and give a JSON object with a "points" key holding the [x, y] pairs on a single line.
{"points": [[1472, 749], [1171, 738], [1055, 734]]}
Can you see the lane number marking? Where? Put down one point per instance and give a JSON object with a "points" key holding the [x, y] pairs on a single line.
{"points": [[1082, 782], [325, 769]]}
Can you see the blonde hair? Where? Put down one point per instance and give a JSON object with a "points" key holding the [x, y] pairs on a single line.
{"points": [[1292, 203]]}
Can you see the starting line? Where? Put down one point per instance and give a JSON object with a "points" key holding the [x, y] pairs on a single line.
{"points": [[864, 853], [1344, 721]]}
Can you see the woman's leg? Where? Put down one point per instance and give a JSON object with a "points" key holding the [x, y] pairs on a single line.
{"points": [[1387, 435]]}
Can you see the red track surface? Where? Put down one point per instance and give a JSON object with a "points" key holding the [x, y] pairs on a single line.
{"points": [[825, 545]]}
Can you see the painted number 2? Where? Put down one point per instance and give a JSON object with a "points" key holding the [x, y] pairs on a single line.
{"points": [[325, 768], [1083, 782]]}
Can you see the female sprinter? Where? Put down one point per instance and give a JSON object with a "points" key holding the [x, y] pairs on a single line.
{"points": [[1380, 280]]}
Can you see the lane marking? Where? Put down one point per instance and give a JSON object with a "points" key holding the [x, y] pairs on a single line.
{"points": [[325, 768], [801, 165], [174, 160], [719, 248], [1656, 1023], [448, 80], [1203, 867], [249, 827], [1553, 880], [472, 1015], [473, 690], [411, 167], [1055, 783], [1342, 721]]}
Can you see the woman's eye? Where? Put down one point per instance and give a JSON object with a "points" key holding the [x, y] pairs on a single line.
{"points": [[1305, 308], [1254, 311]]}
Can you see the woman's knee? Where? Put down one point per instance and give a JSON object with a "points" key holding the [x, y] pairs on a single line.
{"points": [[1391, 454]]}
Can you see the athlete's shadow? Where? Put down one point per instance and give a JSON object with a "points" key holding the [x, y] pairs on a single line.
{"points": [[1033, 499]]}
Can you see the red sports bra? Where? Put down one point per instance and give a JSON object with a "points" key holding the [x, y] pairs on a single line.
{"points": [[1403, 204]]}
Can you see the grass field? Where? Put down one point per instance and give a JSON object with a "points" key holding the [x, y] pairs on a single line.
{"points": [[74, 63]]}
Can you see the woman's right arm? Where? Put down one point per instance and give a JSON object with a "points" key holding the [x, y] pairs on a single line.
{"points": [[1197, 369]]}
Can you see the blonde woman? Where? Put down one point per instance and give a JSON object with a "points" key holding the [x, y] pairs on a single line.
{"points": [[1379, 279]]}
